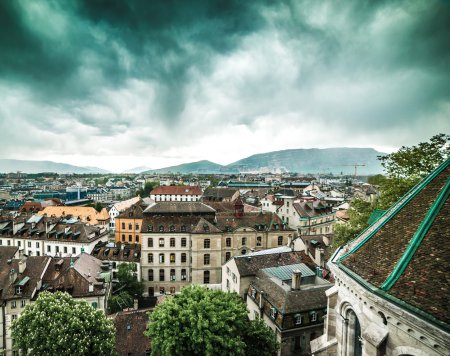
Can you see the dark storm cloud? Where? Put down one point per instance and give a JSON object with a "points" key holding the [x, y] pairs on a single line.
{"points": [[160, 76]]}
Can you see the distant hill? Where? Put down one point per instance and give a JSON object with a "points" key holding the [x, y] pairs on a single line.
{"points": [[25, 166], [313, 160], [137, 170], [193, 167]]}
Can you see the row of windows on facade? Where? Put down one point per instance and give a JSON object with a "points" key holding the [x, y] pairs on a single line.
{"points": [[172, 258], [130, 238], [14, 303], [172, 275], [49, 247], [207, 242], [130, 226]]}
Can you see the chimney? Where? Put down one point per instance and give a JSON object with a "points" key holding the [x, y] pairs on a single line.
{"points": [[22, 265], [296, 279]]}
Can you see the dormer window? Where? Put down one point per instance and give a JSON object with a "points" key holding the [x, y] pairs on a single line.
{"points": [[149, 228], [298, 319], [19, 289], [253, 293], [172, 228], [313, 316], [161, 228], [183, 228], [273, 313]]}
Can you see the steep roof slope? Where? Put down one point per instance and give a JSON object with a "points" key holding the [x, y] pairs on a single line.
{"points": [[404, 256]]}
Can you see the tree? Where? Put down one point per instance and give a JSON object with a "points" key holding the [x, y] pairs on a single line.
{"points": [[120, 301], [359, 213], [200, 321], [127, 276], [148, 187], [406, 167], [56, 324]]}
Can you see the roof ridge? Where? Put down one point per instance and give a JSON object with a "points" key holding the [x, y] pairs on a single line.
{"points": [[417, 237], [392, 211]]}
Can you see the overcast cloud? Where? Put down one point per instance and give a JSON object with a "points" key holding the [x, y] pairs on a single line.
{"points": [[119, 84]]}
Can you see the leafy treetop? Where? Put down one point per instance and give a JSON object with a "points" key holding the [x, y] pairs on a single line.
{"points": [[56, 324]]}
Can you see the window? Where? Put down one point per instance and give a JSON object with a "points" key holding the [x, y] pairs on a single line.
{"points": [[172, 242], [172, 275], [123, 237], [161, 242], [161, 258], [29, 243], [149, 228], [74, 250], [183, 228], [123, 225], [162, 290], [172, 258], [298, 319], [207, 243], [244, 251], [227, 256], [183, 275], [280, 240], [244, 241], [65, 249], [161, 275], [183, 258], [49, 248], [150, 275], [150, 258], [313, 316], [206, 259], [161, 228], [253, 293], [137, 226], [183, 242], [137, 238], [57, 249], [228, 242], [130, 238], [13, 304], [14, 317], [206, 277], [94, 305], [150, 242], [172, 228], [258, 240], [130, 226]]}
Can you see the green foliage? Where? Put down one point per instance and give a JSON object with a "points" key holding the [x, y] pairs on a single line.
{"points": [[56, 324], [148, 187], [97, 206], [359, 213], [128, 282], [260, 339], [416, 162], [200, 321], [406, 167], [120, 301]]}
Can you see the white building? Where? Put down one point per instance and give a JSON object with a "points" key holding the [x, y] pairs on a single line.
{"points": [[176, 193]]}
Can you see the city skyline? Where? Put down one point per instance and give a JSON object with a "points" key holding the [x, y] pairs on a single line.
{"points": [[148, 84]]}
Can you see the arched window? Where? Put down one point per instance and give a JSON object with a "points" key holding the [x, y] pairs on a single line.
{"points": [[351, 336]]}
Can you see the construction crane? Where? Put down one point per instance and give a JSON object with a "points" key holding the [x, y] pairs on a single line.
{"points": [[356, 165]]}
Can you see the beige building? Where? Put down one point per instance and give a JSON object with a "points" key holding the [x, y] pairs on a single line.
{"points": [[187, 243], [392, 288]]}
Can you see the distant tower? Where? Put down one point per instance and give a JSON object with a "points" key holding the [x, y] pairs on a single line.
{"points": [[238, 208]]}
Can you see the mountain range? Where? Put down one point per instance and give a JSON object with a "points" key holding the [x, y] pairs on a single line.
{"points": [[312, 160], [27, 166]]}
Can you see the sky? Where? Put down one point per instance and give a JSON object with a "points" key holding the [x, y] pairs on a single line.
{"points": [[120, 84]]}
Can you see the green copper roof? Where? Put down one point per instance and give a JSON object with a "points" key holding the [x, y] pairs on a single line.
{"points": [[376, 214], [285, 272]]}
